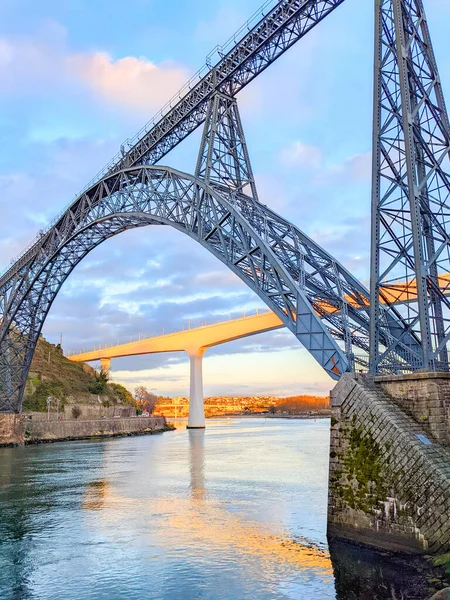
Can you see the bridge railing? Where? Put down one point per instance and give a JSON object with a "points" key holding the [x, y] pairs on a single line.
{"points": [[211, 60]]}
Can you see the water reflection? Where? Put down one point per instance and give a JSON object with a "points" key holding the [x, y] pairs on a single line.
{"points": [[15, 526], [196, 462], [363, 573], [96, 494], [234, 513]]}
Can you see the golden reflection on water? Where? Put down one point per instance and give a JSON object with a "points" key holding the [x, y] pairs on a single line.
{"points": [[205, 522], [96, 493]]}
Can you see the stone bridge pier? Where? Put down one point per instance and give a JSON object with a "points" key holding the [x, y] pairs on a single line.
{"points": [[389, 480]]}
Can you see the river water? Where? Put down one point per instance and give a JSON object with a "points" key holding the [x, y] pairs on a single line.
{"points": [[237, 512]]}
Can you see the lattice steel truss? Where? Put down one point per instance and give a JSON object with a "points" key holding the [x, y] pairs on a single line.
{"points": [[327, 309], [294, 276], [411, 191]]}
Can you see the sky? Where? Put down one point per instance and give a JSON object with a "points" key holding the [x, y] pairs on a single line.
{"points": [[78, 77]]}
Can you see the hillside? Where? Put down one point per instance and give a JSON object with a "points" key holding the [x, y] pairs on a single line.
{"points": [[52, 374]]}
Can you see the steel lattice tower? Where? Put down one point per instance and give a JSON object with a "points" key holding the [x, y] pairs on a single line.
{"points": [[411, 188], [403, 324]]}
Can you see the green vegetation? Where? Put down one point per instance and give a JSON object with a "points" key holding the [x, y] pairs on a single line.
{"points": [[443, 561], [52, 374], [100, 385], [124, 396], [364, 468]]}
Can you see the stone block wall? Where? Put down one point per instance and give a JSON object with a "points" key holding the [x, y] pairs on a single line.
{"points": [[426, 396], [96, 411], [36, 431], [11, 429], [89, 412], [389, 483]]}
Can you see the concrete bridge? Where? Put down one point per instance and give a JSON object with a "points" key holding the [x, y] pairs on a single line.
{"points": [[193, 341]]}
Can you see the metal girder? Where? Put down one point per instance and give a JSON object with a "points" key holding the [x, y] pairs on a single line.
{"points": [[224, 163], [223, 160], [229, 226], [286, 23], [411, 187]]}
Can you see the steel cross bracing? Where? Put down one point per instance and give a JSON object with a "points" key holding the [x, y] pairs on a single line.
{"points": [[275, 33], [226, 226], [259, 246], [411, 191], [223, 160], [224, 163], [315, 296]]}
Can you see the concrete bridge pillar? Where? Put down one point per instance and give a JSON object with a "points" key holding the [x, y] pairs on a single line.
{"points": [[196, 402], [105, 365]]}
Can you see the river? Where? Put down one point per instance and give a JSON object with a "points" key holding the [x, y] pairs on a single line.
{"points": [[237, 512]]}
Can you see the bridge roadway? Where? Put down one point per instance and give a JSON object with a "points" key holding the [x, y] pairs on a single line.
{"points": [[193, 341], [197, 340]]}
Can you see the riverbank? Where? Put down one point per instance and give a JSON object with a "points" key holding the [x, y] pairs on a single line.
{"points": [[275, 416], [36, 432]]}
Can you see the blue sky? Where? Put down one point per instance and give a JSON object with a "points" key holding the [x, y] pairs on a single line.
{"points": [[77, 78]]}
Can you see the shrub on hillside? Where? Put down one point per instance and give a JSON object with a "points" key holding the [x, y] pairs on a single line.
{"points": [[76, 412], [100, 384]]}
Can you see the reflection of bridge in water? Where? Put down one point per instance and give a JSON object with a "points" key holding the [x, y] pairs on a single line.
{"points": [[210, 522]]}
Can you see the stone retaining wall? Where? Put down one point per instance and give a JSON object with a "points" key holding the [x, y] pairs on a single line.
{"points": [[36, 431], [11, 429], [389, 481]]}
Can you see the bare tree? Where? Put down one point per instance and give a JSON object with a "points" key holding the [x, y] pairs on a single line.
{"points": [[145, 399]]}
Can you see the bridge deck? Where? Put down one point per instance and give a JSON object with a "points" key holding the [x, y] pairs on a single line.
{"points": [[226, 331], [188, 339]]}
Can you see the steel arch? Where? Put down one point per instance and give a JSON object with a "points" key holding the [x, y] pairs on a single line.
{"points": [[230, 228]]}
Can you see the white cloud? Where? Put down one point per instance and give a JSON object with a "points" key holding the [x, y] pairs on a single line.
{"points": [[284, 373], [35, 63], [308, 157], [298, 154], [136, 83], [355, 168]]}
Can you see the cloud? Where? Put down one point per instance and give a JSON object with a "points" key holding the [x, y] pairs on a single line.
{"points": [[286, 372], [30, 64], [298, 154], [312, 158], [356, 168], [135, 83]]}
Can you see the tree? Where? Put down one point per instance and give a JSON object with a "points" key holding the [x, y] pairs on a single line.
{"points": [[145, 400], [122, 394], [100, 384]]}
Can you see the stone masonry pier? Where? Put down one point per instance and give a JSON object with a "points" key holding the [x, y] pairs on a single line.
{"points": [[390, 462]]}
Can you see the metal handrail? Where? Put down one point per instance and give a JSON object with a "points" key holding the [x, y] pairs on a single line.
{"points": [[216, 54]]}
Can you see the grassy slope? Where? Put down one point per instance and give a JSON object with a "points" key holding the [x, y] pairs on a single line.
{"points": [[52, 374]]}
